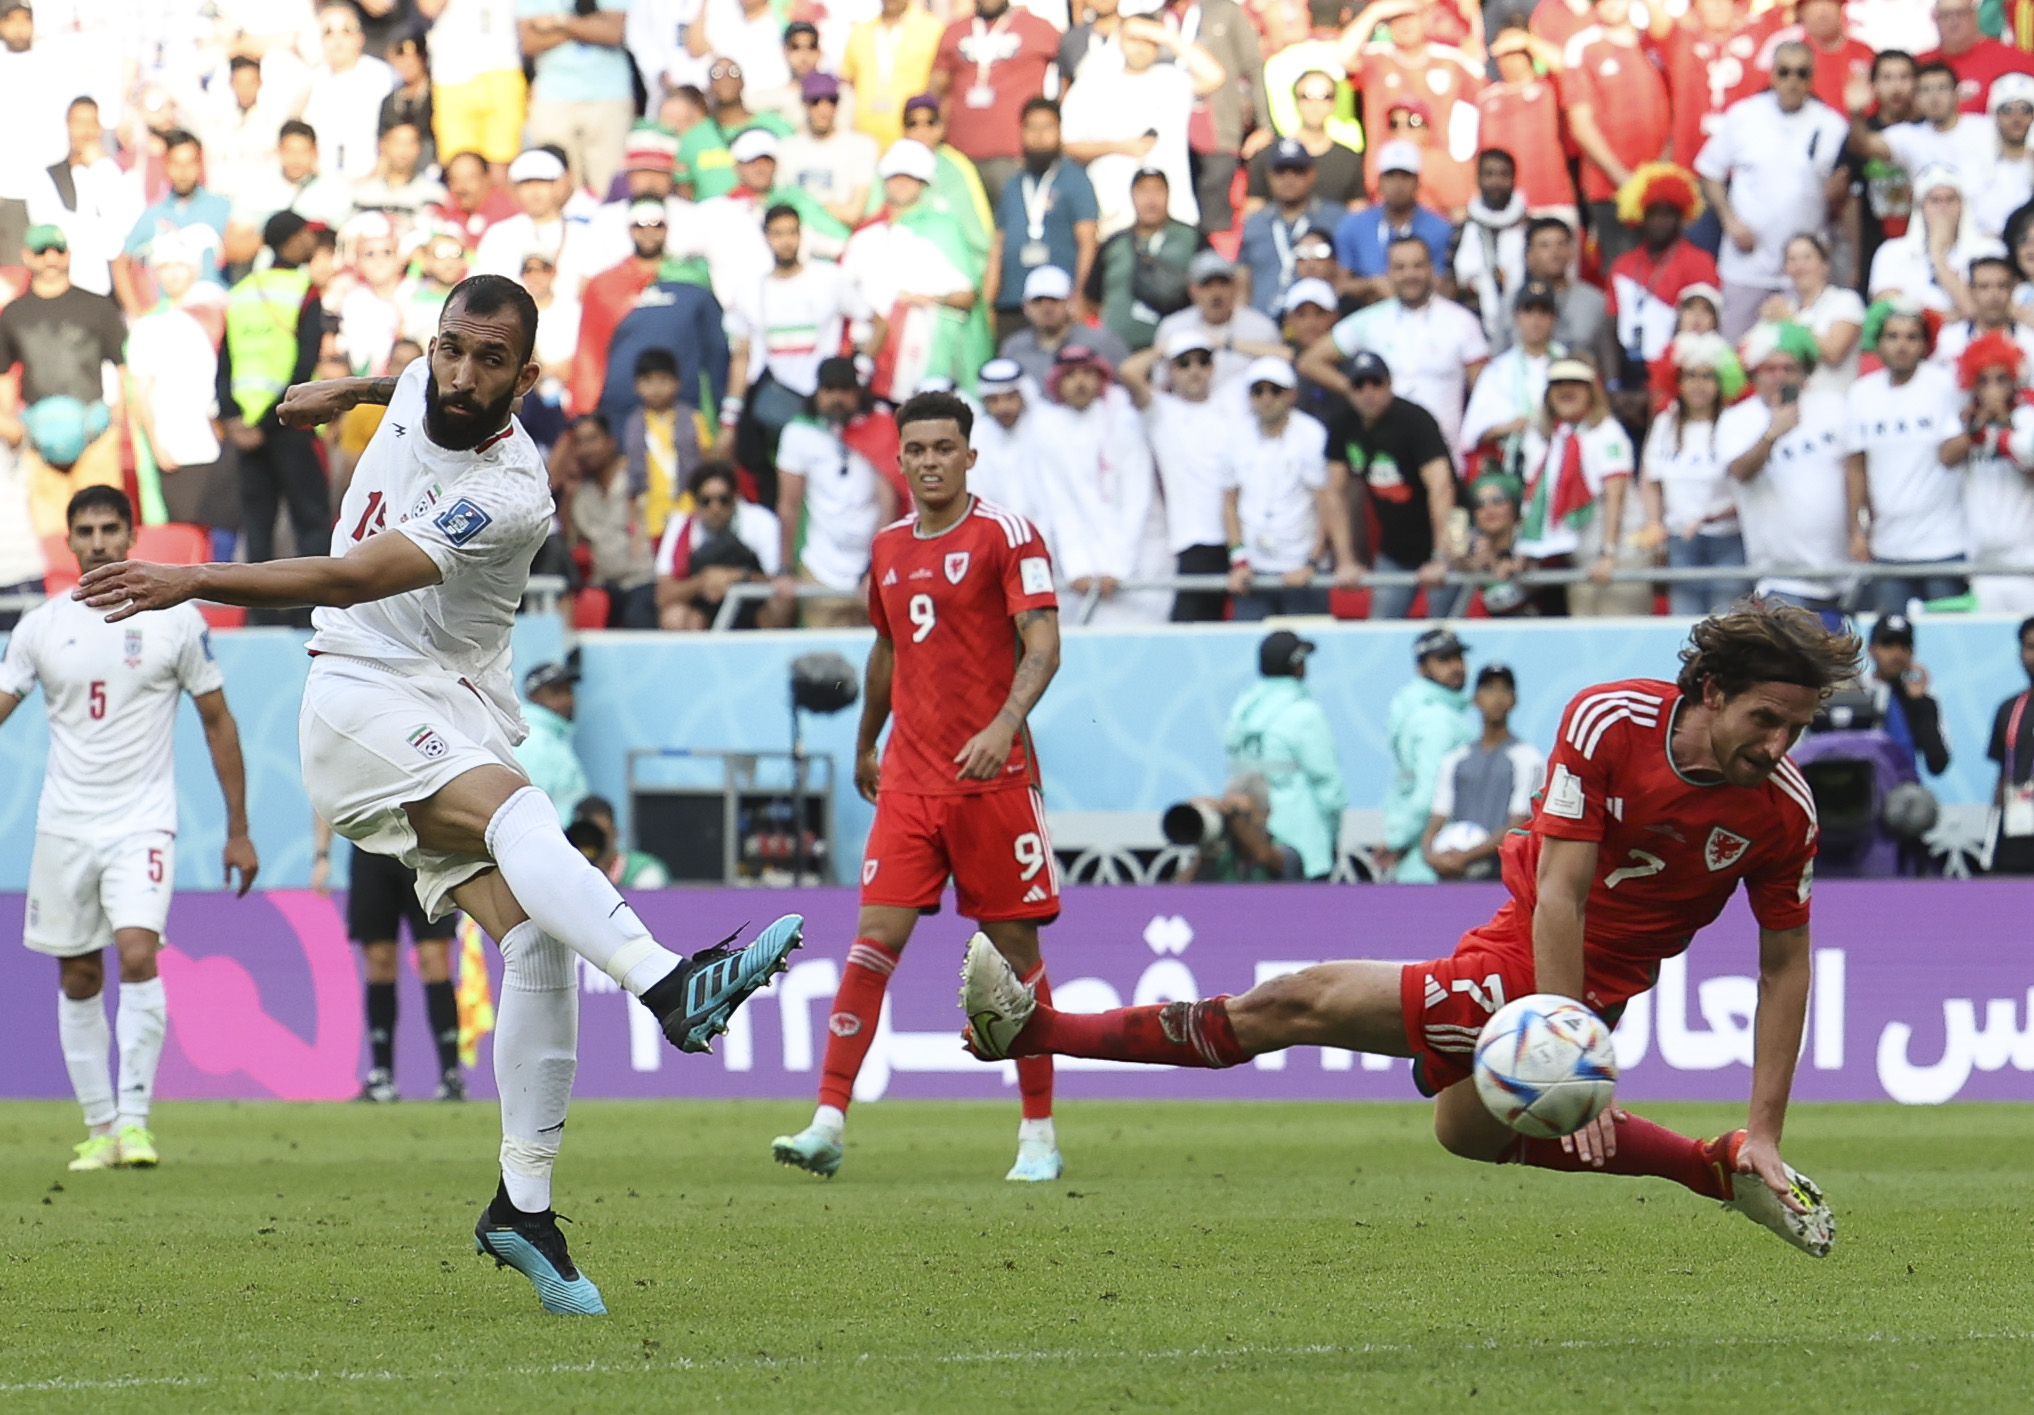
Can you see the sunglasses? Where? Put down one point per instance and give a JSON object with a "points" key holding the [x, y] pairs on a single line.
{"points": [[1485, 503], [724, 71], [329, 30], [922, 119], [1328, 97], [1198, 359], [1266, 390], [1791, 71], [1407, 120], [1366, 383], [803, 42]]}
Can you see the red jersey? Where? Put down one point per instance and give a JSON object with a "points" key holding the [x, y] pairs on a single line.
{"points": [[1671, 850], [1446, 84], [1558, 21], [945, 603], [1833, 67], [993, 69], [1627, 96], [1643, 294], [1524, 119], [1977, 66], [1706, 73]]}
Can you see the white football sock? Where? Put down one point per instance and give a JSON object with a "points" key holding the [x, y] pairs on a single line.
{"points": [[536, 1055], [143, 1018], [87, 1043], [568, 898], [831, 1121], [1038, 1132]]}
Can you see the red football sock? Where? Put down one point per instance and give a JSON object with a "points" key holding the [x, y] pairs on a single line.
{"points": [[1168, 1034], [1642, 1148], [852, 1025], [1034, 1073]]}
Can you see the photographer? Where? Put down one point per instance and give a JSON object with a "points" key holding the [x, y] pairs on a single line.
{"points": [[1899, 690], [1278, 731], [1231, 841]]}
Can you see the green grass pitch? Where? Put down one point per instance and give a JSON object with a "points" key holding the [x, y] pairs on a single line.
{"points": [[1196, 1257]]}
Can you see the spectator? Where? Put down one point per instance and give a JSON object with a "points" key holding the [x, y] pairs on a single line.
{"points": [[1884, 199], [1784, 451], [411, 101], [705, 165], [658, 36], [1390, 73], [828, 486], [803, 58], [1048, 317], [609, 297], [1140, 273], [669, 314], [889, 58], [1833, 314], [62, 338], [1936, 135], [1434, 348], [355, 430], [1238, 334], [1493, 545], [1222, 31], [1582, 324], [238, 122], [1292, 54], [1708, 55], [1395, 449], [594, 833], [1266, 253], [1512, 386], [1659, 200], [724, 541], [661, 440], [1098, 493], [1927, 266], [370, 319], [1278, 732], [1689, 507], [541, 187], [1120, 121], [988, 68], [1699, 310], [582, 99], [1991, 284], [2012, 747], [1490, 258], [727, 91], [1310, 313], [1839, 58], [1519, 117], [475, 201], [399, 185], [547, 755], [1006, 457], [1045, 216], [174, 360], [1618, 114], [913, 266], [274, 328], [344, 104], [649, 173], [605, 517], [557, 343], [1765, 169], [1978, 62], [835, 165], [1903, 472], [1482, 790], [727, 230], [1899, 690], [1275, 502], [1338, 168], [1364, 238], [478, 94], [34, 86], [744, 38], [1580, 463], [1426, 723], [956, 186], [1998, 496], [87, 197], [1189, 433], [189, 208]]}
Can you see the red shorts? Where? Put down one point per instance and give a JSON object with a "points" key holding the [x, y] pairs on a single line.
{"points": [[994, 844]]}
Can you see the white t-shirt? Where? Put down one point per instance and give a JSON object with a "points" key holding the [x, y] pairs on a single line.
{"points": [[886, 259], [1114, 105], [173, 349], [1511, 387], [473, 37], [1427, 350], [1954, 338], [1694, 486], [1835, 305], [756, 527], [109, 203], [1968, 148], [1902, 266], [1917, 503], [368, 328], [1606, 455], [1246, 325], [1190, 442], [573, 244], [481, 516], [1275, 479], [1005, 469], [842, 511], [21, 557], [1793, 512], [345, 111], [557, 331], [111, 690], [1775, 163], [1998, 499], [657, 35], [793, 325], [829, 167], [755, 44]]}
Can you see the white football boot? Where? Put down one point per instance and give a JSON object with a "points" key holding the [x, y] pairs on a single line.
{"points": [[996, 1004]]}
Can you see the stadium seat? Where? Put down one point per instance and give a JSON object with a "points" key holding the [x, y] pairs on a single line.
{"points": [[589, 609], [173, 544], [222, 616], [63, 566]]}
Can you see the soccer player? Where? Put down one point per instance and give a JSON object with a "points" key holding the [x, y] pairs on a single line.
{"points": [[967, 638], [409, 718], [106, 830], [1661, 798], [381, 897]]}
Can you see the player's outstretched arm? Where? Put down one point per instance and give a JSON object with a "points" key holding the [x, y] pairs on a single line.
{"points": [[986, 752], [1784, 970], [315, 404], [376, 568], [875, 712], [222, 738], [1567, 868]]}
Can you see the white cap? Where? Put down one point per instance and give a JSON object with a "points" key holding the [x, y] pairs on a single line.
{"points": [[170, 248], [753, 145], [999, 376], [907, 157], [536, 165], [2010, 88], [1048, 282], [1311, 291], [1266, 369], [1186, 341], [1399, 155]]}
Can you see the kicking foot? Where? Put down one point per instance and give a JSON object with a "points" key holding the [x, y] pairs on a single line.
{"points": [[379, 1088], [451, 1086], [97, 1152], [811, 1148], [137, 1148], [1813, 1232], [533, 1246], [1038, 1162], [695, 1001], [997, 1005]]}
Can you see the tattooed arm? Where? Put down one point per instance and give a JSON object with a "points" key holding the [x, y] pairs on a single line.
{"points": [[983, 757], [314, 404]]}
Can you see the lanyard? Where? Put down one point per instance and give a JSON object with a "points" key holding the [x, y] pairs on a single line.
{"points": [[1036, 193], [984, 52], [1282, 240], [2011, 765]]}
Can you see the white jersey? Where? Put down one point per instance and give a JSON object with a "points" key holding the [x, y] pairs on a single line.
{"points": [[112, 696], [481, 516]]}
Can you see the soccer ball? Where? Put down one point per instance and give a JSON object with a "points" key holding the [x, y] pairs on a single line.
{"points": [[1545, 1065]]}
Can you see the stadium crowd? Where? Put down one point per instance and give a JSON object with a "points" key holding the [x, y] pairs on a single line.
{"points": [[1281, 294]]}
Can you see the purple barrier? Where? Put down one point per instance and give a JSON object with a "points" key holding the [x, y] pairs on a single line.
{"points": [[1918, 997]]}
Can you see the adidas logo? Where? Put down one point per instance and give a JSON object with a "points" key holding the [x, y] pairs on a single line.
{"points": [[1036, 895], [890, 577], [1436, 994]]}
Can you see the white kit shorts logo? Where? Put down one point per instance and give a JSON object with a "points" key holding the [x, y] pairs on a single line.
{"points": [[462, 521], [428, 743]]}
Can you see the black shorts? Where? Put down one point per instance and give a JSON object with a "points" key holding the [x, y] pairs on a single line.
{"points": [[382, 896]]}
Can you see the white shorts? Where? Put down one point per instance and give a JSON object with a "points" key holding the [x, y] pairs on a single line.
{"points": [[373, 740], [80, 891]]}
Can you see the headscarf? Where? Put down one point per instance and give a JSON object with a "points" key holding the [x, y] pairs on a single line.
{"points": [[1769, 337]]}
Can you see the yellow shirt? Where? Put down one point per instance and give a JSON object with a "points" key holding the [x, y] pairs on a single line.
{"points": [[888, 64], [357, 427]]}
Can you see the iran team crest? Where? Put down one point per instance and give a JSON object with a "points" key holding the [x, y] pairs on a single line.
{"points": [[956, 567], [131, 648], [1723, 849]]}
